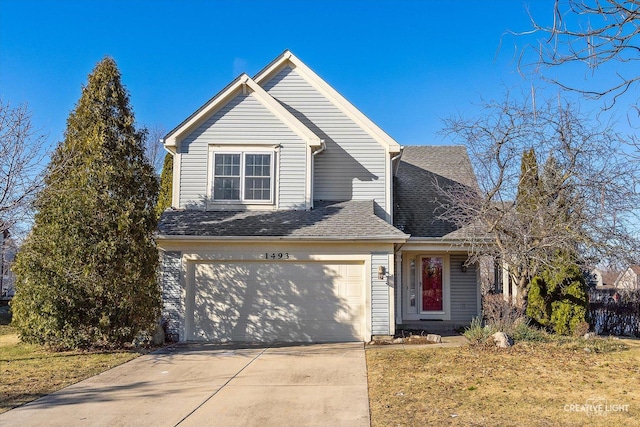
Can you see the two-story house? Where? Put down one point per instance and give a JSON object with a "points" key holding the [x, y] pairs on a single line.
{"points": [[296, 218], [629, 280]]}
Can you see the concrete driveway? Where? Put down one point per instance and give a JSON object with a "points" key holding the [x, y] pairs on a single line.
{"points": [[215, 385]]}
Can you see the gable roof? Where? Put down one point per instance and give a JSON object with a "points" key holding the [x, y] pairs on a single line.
{"points": [[354, 219], [289, 59], [240, 84], [416, 197], [610, 277]]}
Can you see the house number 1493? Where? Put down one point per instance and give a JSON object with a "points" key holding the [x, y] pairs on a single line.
{"points": [[276, 255]]}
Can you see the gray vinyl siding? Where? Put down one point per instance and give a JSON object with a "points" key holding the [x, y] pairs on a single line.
{"points": [[173, 307], [353, 165], [380, 304], [464, 290], [244, 120]]}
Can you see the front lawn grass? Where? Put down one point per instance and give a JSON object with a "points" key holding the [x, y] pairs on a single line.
{"points": [[28, 372], [528, 384]]}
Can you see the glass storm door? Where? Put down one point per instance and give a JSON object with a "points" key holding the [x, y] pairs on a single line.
{"points": [[432, 291]]}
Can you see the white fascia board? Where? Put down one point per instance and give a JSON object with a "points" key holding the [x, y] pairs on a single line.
{"points": [[227, 94], [331, 94], [435, 243], [219, 100]]}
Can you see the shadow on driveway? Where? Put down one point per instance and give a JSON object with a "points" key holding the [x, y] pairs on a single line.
{"points": [[215, 384]]}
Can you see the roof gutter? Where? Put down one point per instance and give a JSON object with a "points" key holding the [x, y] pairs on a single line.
{"points": [[171, 149], [381, 239], [323, 147]]}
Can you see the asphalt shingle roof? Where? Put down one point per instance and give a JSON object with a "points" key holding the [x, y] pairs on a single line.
{"points": [[417, 200], [352, 219]]}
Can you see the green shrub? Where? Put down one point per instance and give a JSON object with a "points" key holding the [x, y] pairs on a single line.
{"points": [[476, 333], [524, 331], [558, 299], [538, 305], [568, 313]]}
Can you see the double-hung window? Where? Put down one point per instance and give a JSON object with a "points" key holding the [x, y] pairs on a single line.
{"points": [[243, 177]]}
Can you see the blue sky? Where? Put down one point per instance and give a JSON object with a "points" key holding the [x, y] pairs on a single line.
{"points": [[405, 64]]}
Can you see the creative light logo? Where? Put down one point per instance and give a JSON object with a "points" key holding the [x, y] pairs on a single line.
{"points": [[596, 407]]}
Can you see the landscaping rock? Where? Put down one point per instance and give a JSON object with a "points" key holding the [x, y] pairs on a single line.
{"points": [[434, 338], [590, 335], [502, 340]]}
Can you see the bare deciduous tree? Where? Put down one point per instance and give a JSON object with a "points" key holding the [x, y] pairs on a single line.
{"points": [[589, 203], [154, 148], [593, 32], [21, 157]]}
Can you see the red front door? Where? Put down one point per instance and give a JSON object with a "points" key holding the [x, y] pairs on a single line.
{"points": [[432, 283]]}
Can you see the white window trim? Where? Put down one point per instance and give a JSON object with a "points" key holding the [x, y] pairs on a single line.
{"points": [[243, 150]]}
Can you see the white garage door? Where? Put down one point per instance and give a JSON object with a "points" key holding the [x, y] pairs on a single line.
{"points": [[268, 302]]}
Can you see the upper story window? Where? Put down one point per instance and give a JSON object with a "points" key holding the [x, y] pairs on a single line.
{"points": [[243, 176]]}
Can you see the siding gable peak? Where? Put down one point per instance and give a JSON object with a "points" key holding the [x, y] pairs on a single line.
{"points": [[245, 85], [287, 58]]}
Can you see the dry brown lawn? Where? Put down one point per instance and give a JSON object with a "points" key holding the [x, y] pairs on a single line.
{"points": [[28, 372], [530, 384]]}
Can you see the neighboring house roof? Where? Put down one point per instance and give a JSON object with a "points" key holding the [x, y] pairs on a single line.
{"points": [[289, 59], [328, 220], [240, 84], [416, 204], [610, 277]]}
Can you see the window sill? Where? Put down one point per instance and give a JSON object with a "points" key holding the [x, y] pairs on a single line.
{"points": [[227, 206]]}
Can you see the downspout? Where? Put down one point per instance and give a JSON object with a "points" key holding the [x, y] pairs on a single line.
{"points": [[323, 147], [397, 273], [390, 198], [393, 159]]}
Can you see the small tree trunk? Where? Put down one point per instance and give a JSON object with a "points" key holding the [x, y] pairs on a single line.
{"points": [[522, 294]]}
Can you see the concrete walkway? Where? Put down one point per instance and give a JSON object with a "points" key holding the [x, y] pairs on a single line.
{"points": [[215, 385]]}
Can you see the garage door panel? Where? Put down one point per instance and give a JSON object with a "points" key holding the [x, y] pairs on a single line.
{"points": [[267, 302]]}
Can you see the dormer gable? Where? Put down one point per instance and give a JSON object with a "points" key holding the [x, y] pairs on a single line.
{"points": [[242, 84]]}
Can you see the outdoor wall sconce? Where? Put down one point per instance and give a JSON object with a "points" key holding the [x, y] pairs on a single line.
{"points": [[381, 272], [463, 266]]}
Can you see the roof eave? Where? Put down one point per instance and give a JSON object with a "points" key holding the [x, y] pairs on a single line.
{"points": [[368, 239], [172, 138], [440, 241]]}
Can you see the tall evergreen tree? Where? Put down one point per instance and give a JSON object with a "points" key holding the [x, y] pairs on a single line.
{"points": [[559, 196], [528, 195], [86, 275], [166, 185], [526, 215], [558, 297]]}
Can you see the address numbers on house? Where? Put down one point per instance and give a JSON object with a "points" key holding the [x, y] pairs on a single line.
{"points": [[276, 255]]}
